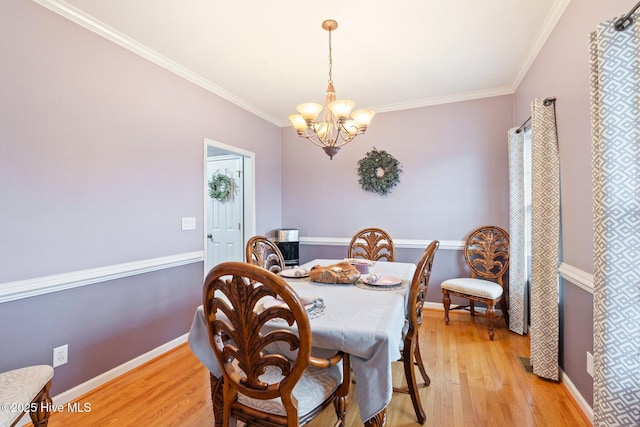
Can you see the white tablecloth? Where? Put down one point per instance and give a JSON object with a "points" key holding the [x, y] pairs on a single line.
{"points": [[367, 324]]}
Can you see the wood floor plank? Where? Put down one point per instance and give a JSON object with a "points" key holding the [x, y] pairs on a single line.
{"points": [[474, 381]]}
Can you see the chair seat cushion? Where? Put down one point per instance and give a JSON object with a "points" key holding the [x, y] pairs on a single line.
{"points": [[474, 287], [21, 386], [311, 390]]}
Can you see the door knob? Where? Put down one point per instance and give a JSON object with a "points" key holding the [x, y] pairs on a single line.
{"points": [[210, 236]]}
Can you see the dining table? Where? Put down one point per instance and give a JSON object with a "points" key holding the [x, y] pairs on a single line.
{"points": [[362, 319]]}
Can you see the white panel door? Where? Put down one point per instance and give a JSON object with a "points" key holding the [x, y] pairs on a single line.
{"points": [[225, 218]]}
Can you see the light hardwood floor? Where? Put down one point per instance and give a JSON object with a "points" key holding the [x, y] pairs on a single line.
{"points": [[474, 382]]}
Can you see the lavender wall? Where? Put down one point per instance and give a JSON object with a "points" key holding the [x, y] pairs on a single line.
{"points": [[562, 70], [455, 175], [454, 179], [101, 154]]}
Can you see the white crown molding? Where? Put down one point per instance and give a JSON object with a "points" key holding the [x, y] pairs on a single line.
{"points": [[79, 17], [398, 243], [549, 24], [11, 291], [448, 99], [578, 277]]}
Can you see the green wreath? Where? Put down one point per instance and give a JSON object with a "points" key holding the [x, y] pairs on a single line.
{"points": [[379, 172], [220, 187]]}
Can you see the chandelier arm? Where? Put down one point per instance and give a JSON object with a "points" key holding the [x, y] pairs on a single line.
{"points": [[345, 141], [311, 136]]}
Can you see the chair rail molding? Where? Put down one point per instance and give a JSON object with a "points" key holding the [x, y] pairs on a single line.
{"points": [[11, 291], [455, 245], [578, 277]]}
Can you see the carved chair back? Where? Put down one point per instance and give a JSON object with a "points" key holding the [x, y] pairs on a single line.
{"points": [[420, 285], [264, 253], [374, 244], [235, 289], [487, 253]]}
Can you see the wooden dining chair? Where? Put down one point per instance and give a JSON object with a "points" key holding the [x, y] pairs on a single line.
{"points": [[411, 344], [261, 384], [486, 252], [373, 244], [264, 253]]}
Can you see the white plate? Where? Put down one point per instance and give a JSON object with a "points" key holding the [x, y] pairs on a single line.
{"points": [[383, 281], [273, 302], [295, 273]]}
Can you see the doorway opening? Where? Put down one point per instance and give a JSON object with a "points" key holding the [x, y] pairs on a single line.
{"points": [[228, 223]]}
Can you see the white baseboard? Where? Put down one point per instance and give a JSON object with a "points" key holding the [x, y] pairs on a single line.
{"points": [[433, 306], [571, 388], [95, 382]]}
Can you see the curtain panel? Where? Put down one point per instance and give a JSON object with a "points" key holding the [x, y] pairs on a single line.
{"points": [[615, 118], [517, 254], [545, 239]]}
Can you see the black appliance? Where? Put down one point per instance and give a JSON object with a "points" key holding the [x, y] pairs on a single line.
{"points": [[289, 244]]}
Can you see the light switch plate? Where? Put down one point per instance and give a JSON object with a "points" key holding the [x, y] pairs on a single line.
{"points": [[188, 223]]}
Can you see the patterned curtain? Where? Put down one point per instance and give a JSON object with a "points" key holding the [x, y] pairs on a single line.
{"points": [[545, 239], [517, 253], [615, 118]]}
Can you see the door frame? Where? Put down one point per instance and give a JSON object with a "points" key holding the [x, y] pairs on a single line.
{"points": [[249, 194]]}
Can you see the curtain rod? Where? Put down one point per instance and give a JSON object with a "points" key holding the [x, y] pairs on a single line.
{"points": [[625, 22], [546, 103]]}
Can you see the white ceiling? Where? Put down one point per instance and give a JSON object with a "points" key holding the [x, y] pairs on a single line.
{"points": [[269, 56]]}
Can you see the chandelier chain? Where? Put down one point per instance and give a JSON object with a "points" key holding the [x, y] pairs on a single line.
{"points": [[330, 61]]}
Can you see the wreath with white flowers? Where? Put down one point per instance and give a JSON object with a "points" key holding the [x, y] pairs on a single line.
{"points": [[220, 187], [379, 172]]}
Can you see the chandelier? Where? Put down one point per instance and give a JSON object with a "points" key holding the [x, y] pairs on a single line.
{"points": [[336, 128]]}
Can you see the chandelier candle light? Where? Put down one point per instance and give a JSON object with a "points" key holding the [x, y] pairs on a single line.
{"points": [[336, 128]]}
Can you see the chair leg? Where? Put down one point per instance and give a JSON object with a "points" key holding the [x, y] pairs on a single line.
{"points": [[491, 317], [341, 400], [410, 376], [420, 364], [446, 301], [340, 404], [216, 398], [40, 417], [472, 307]]}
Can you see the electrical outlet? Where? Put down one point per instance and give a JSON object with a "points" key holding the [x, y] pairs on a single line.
{"points": [[590, 364], [60, 355]]}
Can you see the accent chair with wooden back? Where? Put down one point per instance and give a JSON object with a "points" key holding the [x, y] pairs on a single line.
{"points": [[264, 253], [269, 376], [27, 389], [487, 255], [411, 347], [373, 244]]}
